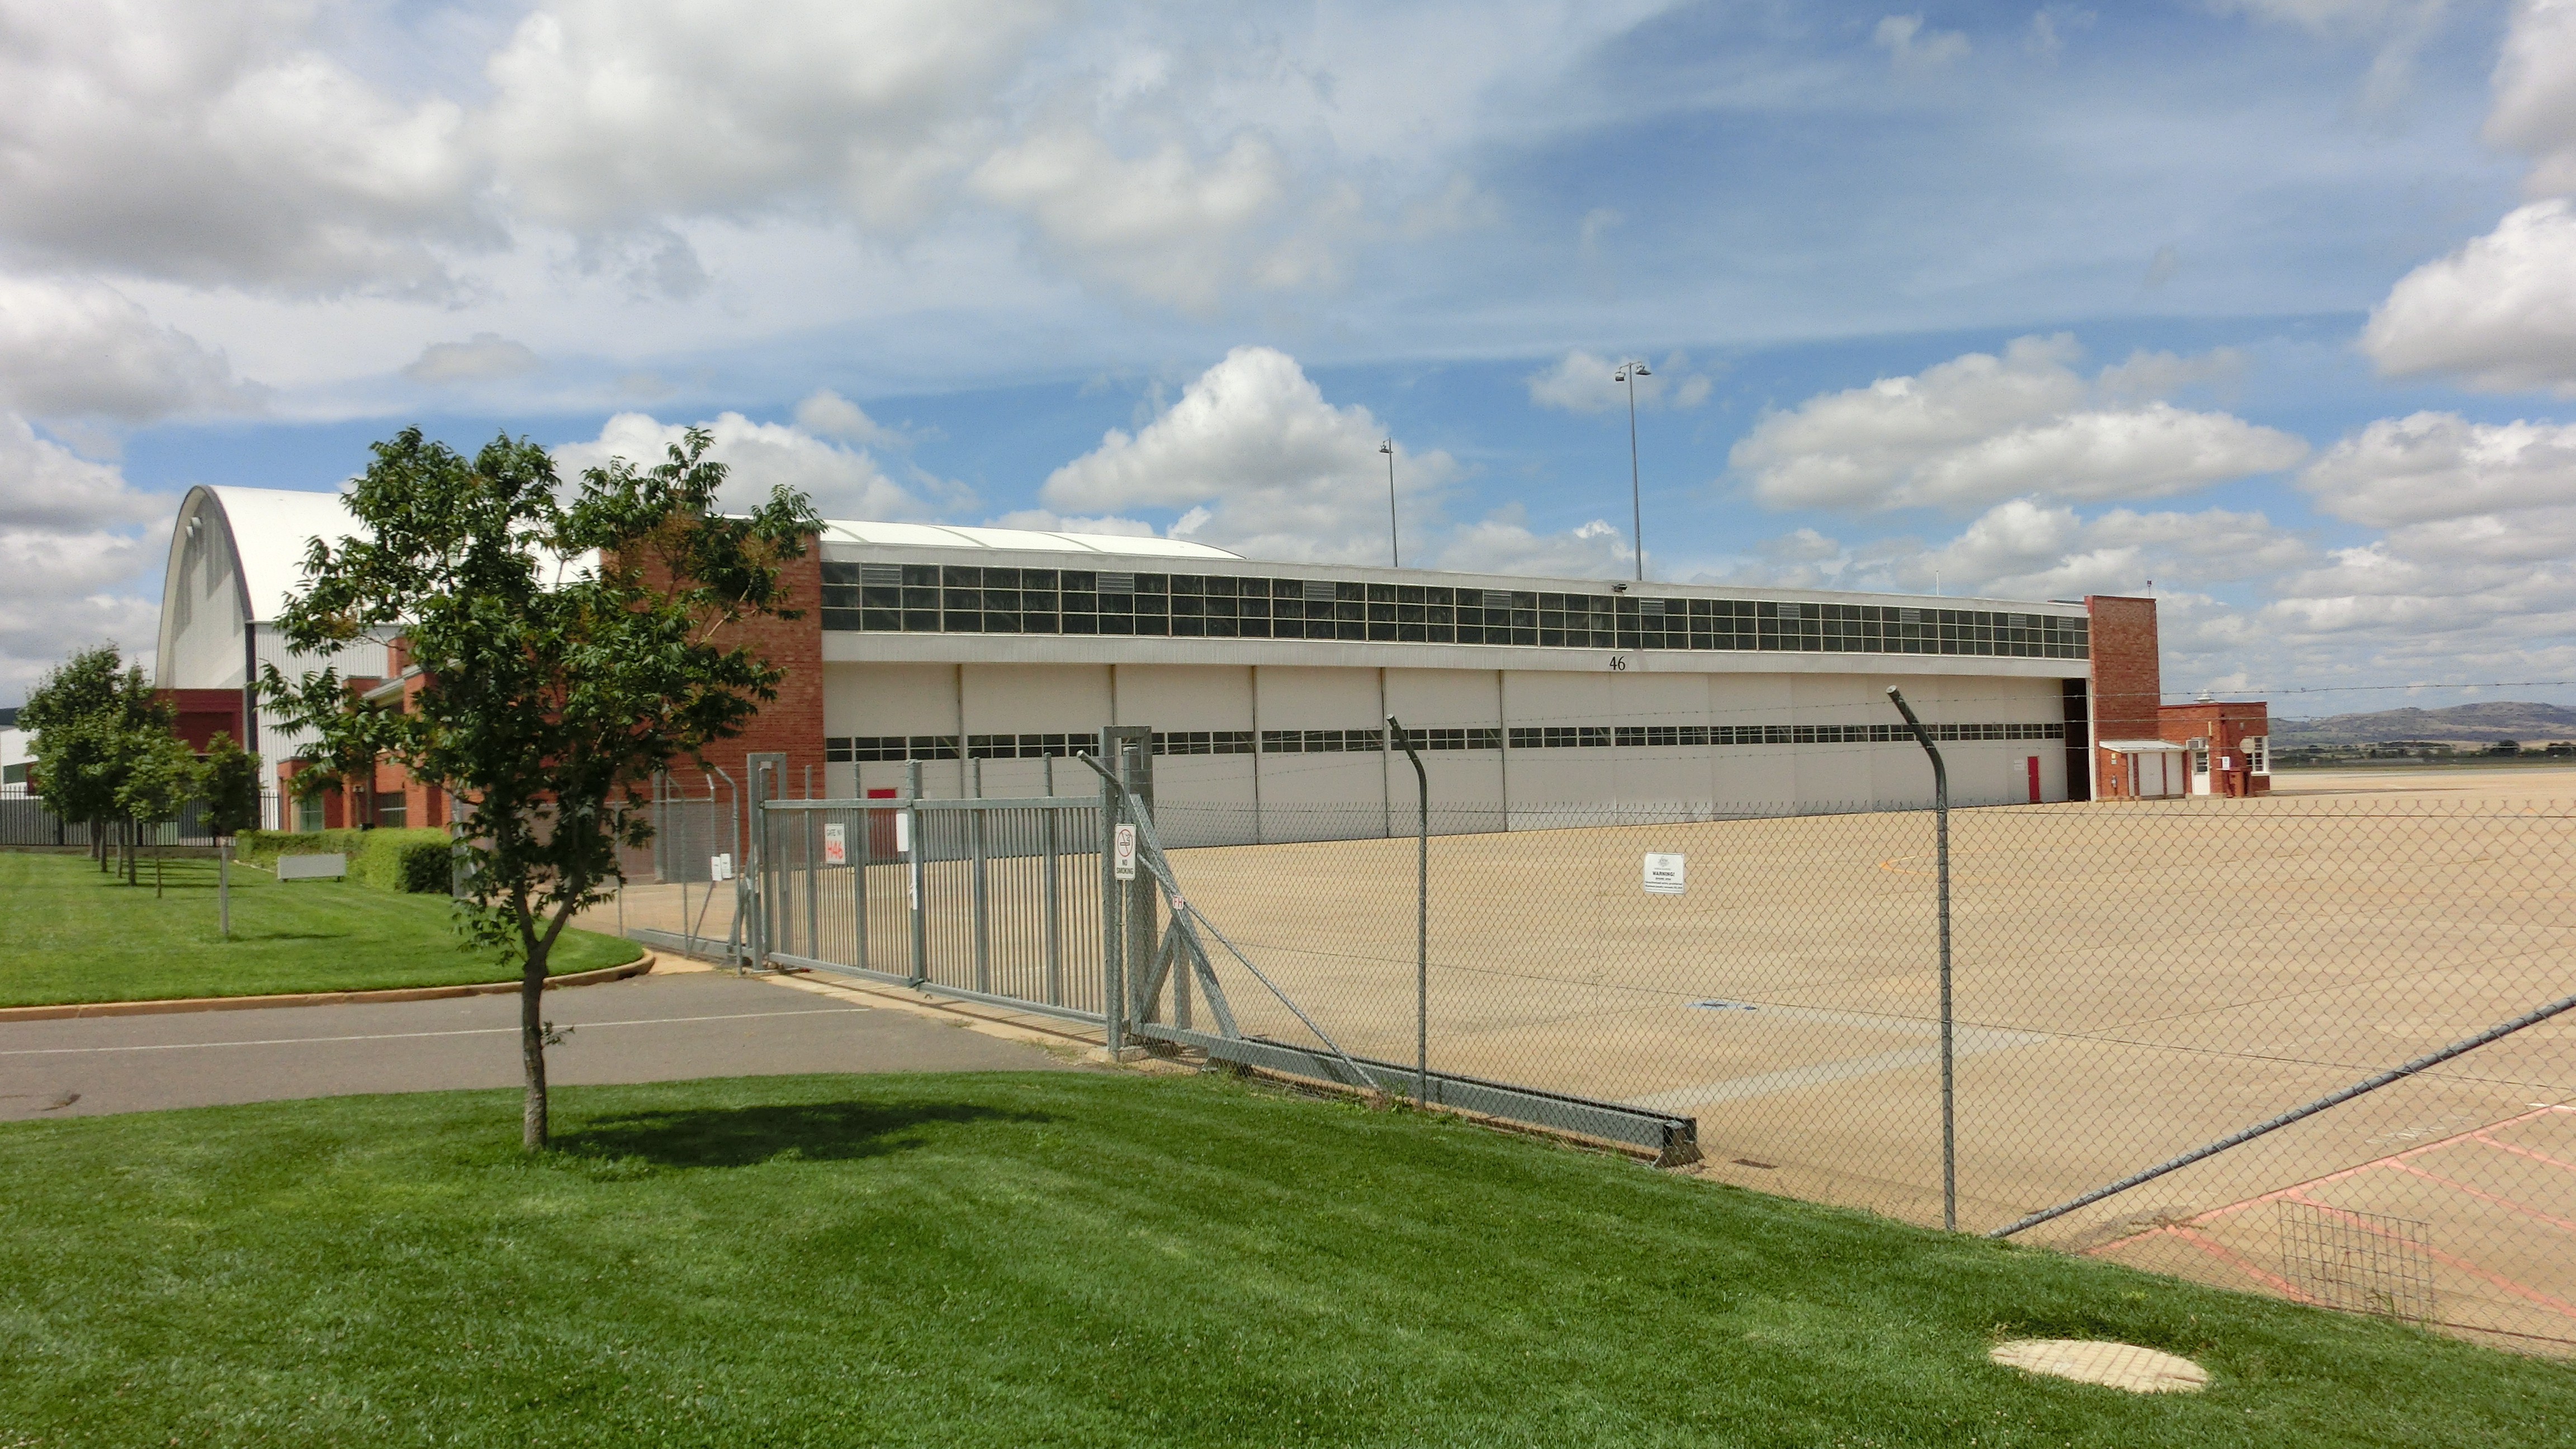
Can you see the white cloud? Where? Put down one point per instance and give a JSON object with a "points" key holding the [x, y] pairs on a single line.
{"points": [[214, 145], [1502, 543], [1264, 465], [487, 357], [1164, 224], [1911, 47], [2437, 466], [1579, 382], [73, 538], [79, 349], [845, 483], [2473, 574], [38, 629], [2535, 95], [2500, 312], [614, 114], [1980, 428], [44, 486], [827, 414], [2021, 549]]}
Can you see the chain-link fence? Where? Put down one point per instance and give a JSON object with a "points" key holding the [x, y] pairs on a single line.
{"points": [[685, 897], [2132, 981]]}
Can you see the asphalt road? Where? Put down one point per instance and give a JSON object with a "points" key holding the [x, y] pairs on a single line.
{"points": [[644, 1029]]}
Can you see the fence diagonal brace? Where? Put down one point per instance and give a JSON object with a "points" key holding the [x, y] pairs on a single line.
{"points": [[1150, 851], [1215, 989], [1151, 989]]}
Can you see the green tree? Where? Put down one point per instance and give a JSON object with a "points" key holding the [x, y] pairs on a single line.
{"points": [[345, 759], [161, 776], [92, 716], [574, 642], [231, 794]]}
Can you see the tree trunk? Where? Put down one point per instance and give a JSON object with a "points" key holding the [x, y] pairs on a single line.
{"points": [[532, 1048]]}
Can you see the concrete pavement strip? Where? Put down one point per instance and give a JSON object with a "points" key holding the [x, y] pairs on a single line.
{"points": [[662, 1027]]}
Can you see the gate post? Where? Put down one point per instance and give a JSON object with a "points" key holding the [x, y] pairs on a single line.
{"points": [[913, 845], [1054, 844], [1113, 931], [1135, 763], [983, 892], [762, 891]]}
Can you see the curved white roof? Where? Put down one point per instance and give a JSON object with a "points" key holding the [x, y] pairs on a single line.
{"points": [[1017, 540], [271, 528]]}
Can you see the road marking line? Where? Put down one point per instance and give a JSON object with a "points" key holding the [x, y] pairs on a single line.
{"points": [[405, 1035]]}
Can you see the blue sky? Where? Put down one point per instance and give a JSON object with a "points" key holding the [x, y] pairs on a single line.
{"points": [[2272, 302]]}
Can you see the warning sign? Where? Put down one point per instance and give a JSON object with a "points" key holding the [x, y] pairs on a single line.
{"points": [[719, 867], [836, 845], [1665, 874], [1122, 852]]}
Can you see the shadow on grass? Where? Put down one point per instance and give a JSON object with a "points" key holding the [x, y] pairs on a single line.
{"points": [[741, 1136]]}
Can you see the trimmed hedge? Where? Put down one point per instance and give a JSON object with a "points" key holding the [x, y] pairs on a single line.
{"points": [[389, 860]]}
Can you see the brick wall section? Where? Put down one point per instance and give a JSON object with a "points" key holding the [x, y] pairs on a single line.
{"points": [[2128, 681], [2226, 726], [791, 724]]}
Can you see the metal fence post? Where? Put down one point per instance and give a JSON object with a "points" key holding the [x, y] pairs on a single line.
{"points": [[1941, 864], [983, 894], [1421, 917], [1113, 930], [1141, 913], [913, 881], [765, 769], [1053, 844]]}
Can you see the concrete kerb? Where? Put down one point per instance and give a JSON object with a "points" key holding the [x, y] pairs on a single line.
{"points": [[637, 967]]}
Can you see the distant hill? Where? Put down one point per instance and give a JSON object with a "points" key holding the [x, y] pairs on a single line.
{"points": [[2501, 720]]}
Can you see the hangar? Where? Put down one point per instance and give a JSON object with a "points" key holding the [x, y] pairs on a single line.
{"points": [[973, 657]]}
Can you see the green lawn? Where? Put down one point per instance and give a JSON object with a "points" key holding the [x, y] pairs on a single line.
{"points": [[1076, 1259], [69, 933]]}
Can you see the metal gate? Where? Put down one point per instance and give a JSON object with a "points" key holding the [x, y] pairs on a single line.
{"points": [[990, 899], [1016, 902]]}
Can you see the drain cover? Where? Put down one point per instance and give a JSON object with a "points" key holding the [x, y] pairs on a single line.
{"points": [[2089, 1361]]}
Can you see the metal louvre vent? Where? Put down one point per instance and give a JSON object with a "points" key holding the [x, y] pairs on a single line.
{"points": [[1786, 611], [1319, 591], [1651, 608], [1498, 598], [1117, 583], [1909, 616], [881, 576]]}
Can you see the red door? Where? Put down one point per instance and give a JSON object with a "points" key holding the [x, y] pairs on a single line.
{"points": [[2032, 762], [881, 828]]}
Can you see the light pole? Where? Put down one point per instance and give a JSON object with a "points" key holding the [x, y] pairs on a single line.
{"points": [[1394, 546], [1628, 373]]}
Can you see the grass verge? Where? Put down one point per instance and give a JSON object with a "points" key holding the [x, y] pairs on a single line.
{"points": [[1077, 1259], [73, 934]]}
